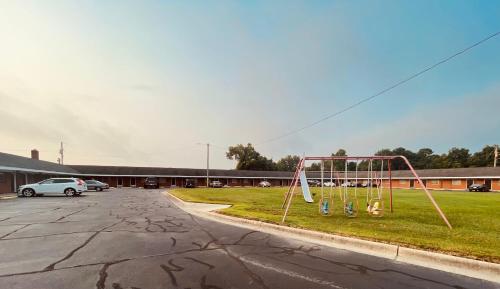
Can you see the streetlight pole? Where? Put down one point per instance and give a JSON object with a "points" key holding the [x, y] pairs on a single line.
{"points": [[495, 156], [208, 162]]}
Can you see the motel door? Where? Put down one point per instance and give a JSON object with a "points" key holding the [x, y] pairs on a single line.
{"points": [[488, 183], [469, 182], [412, 184]]}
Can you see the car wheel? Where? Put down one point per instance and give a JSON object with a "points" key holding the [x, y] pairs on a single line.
{"points": [[98, 189], [69, 192], [28, 193]]}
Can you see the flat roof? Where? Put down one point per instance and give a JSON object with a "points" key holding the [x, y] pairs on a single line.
{"points": [[9, 162]]}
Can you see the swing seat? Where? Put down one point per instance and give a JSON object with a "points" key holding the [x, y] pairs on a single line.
{"points": [[376, 207], [350, 209], [324, 207]]}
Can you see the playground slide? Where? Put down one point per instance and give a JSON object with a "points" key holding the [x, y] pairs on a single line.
{"points": [[305, 188]]}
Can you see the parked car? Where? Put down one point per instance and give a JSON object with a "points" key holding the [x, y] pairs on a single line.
{"points": [[67, 186], [314, 183], [96, 185], [190, 183], [329, 184], [479, 188], [265, 184], [347, 184], [215, 184], [151, 183]]}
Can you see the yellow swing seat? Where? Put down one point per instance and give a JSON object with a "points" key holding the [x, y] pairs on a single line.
{"points": [[376, 207]]}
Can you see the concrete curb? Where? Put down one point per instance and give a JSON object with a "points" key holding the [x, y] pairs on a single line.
{"points": [[457, 265], [8, 196]]}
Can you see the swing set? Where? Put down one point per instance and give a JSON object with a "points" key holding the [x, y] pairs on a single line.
{"points": [[374, 185]]}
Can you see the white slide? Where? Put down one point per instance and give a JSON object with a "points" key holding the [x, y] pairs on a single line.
{"points": [[305, 187]]}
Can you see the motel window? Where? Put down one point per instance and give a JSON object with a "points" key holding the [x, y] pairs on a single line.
{"points": [[456, 182], [403, 181], [435, 182]]}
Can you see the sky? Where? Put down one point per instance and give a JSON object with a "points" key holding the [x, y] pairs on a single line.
{"points": [[144, 83]]}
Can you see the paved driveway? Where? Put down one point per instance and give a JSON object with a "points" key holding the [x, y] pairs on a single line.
{"points": [[135, 238]]}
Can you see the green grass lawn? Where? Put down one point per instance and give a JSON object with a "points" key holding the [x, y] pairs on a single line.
{"points": [[414, 223]]}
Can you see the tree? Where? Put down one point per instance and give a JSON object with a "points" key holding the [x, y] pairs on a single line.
{"points": [[457, 158], [288, 163], [249, 159], [483, 158], [376, 164], [314, 167], [423, 158], [339, 165]]}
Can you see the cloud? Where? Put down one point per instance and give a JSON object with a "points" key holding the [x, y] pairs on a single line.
{"points": [[29, 124]]}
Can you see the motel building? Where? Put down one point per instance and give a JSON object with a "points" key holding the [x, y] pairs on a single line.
{"points": [[17, 170]]}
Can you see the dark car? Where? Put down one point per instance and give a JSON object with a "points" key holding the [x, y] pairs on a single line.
{"points": [[151, 183], [190, 183], [479, 188], [314, 183], [216, 184], [96, 185]]}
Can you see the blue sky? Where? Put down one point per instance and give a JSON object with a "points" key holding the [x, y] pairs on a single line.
{"points": [[141, 82]]}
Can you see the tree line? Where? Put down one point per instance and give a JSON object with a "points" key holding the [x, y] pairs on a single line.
{"points": [[247, 158]]}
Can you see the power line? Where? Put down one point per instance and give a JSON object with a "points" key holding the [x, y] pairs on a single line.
{"points": [[384, 90]]}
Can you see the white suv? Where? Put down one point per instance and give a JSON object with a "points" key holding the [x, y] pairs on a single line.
{"points": [[265, 184], [67, 186]]}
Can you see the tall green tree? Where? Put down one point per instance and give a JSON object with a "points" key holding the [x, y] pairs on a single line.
{"points": [[288, 163], [423, 158], [249, 159], [339, 165], [483, 158], [458, 158]]}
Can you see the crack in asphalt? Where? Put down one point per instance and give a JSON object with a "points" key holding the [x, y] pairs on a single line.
{"points": [[10, 233], [254, 276], [170, 271], [65, 216], [210, 266], [103, 274], [51, 266]]}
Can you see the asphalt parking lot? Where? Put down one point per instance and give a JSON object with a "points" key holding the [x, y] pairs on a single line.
{"points": [[136, 238]]}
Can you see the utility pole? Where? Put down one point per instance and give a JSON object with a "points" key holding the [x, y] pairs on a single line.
{"points": [[61, 152], [495, 157], [208, 162]]}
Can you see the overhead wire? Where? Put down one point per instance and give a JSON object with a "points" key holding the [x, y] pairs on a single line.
{"points": [[391, 87]]}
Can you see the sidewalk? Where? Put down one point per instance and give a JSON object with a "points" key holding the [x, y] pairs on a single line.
{"points": [[8, 196]]}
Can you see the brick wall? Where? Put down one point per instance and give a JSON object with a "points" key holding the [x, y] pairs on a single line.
{"points": [[5, 183], [454, 184], [495, 185]]}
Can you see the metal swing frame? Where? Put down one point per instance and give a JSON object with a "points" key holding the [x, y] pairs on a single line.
{"points": [[288, 197]]}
